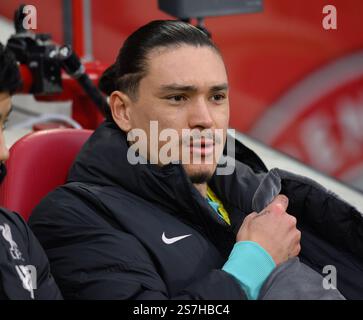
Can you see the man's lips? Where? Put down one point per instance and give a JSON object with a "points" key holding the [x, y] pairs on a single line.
{"points": [[203, 147]]}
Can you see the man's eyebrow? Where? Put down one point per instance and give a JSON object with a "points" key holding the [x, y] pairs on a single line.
{"points": [[219, 87], [184, 88], [177, 87]]}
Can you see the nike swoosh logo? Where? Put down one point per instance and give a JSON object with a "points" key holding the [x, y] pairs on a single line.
{"points": [[174, 239]]}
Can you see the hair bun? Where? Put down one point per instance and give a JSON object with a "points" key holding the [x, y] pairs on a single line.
{"points": [[108, 80]]}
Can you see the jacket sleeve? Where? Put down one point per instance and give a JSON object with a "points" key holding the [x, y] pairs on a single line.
{"points": [[90, 260], [46, 289], [32, 260], [332, 232]]}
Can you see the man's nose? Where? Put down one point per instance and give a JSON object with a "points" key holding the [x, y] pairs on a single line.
{"points": [[4, 151], [200, 115]]}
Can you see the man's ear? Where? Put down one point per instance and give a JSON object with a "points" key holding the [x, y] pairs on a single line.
{"points": [[119, 105]]}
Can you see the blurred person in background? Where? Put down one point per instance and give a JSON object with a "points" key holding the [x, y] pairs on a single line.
{"points": [[24, 267]]}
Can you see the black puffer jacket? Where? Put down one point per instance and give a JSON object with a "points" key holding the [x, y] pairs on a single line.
{"points": [[105, 230]]}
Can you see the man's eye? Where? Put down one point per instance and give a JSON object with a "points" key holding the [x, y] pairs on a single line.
{"points": [[218, 97], [177, 98]]}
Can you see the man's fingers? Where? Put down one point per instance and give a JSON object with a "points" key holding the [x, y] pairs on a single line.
{"points": [[294, 240], [249, 217], [280, 203], [252, 215], [295, 251]]}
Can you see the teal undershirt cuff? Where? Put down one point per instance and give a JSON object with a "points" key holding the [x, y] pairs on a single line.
{"points": [[248, 262], [251, 265]]}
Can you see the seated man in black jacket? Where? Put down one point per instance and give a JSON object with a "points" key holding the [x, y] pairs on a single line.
{"points": [[24, 267], [131, 225]]}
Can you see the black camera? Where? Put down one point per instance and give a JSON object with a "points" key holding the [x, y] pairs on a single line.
{"points": [[46, 61], [39, 53]]}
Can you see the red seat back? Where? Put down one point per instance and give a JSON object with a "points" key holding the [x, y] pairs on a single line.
{"points": [[38, 163]]}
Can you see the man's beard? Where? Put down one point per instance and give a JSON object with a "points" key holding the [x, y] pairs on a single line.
{"points": [[200, 177]]}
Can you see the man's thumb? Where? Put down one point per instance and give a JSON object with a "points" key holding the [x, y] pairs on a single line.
{"points": [[280, 201]]}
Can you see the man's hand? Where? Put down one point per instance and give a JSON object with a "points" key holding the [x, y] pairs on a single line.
{"points": [[274, 230]]}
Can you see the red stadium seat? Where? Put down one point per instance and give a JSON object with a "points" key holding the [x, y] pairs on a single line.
{"points": [[38, 163]]}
